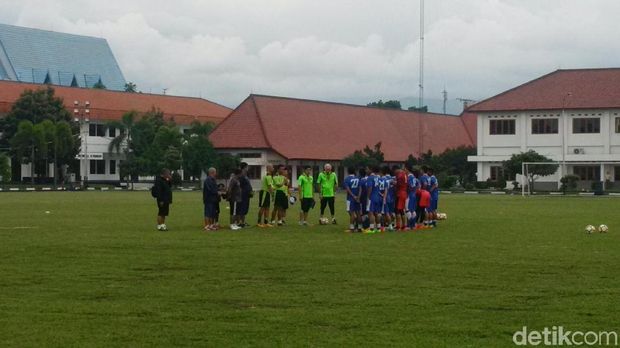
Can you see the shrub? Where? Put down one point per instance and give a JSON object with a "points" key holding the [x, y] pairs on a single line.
{"points": [[569, 182]]}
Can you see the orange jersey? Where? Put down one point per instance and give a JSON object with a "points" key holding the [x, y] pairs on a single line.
{"points": [[425, 199]]}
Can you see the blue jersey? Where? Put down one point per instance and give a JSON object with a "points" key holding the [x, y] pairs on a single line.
{"points": [[391, 188], [374, 188], [413, 184], [352, 183], [363, 188], [432, 182], [383, 185], [424, 181]]}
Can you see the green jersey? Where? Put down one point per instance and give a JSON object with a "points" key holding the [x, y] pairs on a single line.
{"points": [[305, 186], [328, 183], [278, 183], [267, 183]]}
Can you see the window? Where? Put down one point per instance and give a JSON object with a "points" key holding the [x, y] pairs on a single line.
{"points": [[586, 125], [254, 172], [250, 155], [502, 127], [592, 173], [496, 173], [96, 130], [112, 166], [97, 166], [545, 126], [617, 124], [112, 132]]}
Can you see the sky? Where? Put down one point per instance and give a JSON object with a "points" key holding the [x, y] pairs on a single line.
{"points": [[353, 51]]}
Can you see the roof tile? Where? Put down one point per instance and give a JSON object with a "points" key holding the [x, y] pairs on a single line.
{"points": [[315, 130]]}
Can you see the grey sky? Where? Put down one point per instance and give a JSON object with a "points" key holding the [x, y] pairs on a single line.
{"points": [[343, 50]]}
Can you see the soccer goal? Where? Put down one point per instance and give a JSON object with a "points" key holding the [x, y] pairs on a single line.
{"points": [[594, 171]]}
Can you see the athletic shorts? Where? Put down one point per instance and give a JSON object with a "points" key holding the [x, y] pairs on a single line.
{"points": [[243, 207], [375, 206], [211, 210], [353, 206], [281, 200], [388, 208], [434, 203], [163, 209], [264, 199], [306, 204], [401, 202], [364, 205], [411, 203]]}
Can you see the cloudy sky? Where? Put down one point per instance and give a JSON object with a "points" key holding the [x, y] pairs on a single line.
{"points": [[341, 50]]}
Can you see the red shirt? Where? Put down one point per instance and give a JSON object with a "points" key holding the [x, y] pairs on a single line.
{"points": [[425, 199], [401, 182]]}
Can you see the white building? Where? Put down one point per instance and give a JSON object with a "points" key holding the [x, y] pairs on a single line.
{"points": [[94, 108], [570, 116]]}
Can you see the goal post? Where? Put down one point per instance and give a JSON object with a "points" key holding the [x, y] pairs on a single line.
{"points": [[598, 171]]}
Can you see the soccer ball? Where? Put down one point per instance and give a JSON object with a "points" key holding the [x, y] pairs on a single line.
{"points": [[442, 216], [603, 228], [292, 199], [590, 229], [323, 221]]}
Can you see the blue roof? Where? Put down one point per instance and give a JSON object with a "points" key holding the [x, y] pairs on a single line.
{"points": [[39, 56]]}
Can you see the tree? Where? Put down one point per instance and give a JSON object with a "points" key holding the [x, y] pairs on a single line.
{"points": [[131, 87], [454, 163], [366, 157], [165, 151], [125, 127], [390, 104], [418, 109], [25, 143], [66, 147], [128, 168], [99, 85], [35, 106], [5, 168], [513, 166], [226, 164], [47, 128], [198, 152]]}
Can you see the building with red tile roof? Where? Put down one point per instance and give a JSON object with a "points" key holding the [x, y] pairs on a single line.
{"points": [[105, 105], [571, 116], [269, 129], [111, 105]]}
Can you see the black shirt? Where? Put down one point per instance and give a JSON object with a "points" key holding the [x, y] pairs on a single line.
{"points": [[246, 187], [163, 190]]}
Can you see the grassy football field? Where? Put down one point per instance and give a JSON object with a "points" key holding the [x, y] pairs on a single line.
{"points": [[94, 272]]}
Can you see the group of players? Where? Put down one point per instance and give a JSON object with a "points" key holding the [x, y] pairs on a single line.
{"points": [[396, 199], [378, 199]]}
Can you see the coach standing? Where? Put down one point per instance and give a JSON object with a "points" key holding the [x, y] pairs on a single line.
{"points": [[327, 181], [162, 191], [211, 200], [246, 194]]}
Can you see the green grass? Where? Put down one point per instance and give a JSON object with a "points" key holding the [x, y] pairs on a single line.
{"points": [[94, 272]]}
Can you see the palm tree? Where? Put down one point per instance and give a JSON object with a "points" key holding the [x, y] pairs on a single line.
{"points": [[125, 127]]}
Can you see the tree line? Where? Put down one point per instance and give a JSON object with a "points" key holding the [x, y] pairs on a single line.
{"points": [[40, 131], [451, 166]]}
